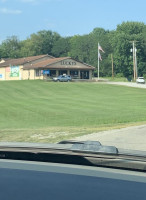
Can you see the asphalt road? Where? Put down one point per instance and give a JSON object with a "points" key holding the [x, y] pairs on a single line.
{"points": [[128, 138]]}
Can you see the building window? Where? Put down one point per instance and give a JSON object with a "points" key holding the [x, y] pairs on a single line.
{"points": [[61, 72], [37, 72], [74, 74], [84, 74], [52, 73]]}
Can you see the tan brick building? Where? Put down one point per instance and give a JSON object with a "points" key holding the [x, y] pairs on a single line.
{"points": [[43, 66]]}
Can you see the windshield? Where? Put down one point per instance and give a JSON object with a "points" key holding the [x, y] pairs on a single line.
{"points": [[69, 71]]}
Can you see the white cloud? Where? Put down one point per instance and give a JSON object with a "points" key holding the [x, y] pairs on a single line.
{"points": [[9, 11]]}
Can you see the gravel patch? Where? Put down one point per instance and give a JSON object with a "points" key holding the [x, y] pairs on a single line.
{"points": [[129, 84], [127, 138]]}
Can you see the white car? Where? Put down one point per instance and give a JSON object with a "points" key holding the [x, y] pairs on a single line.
{"points": [[140, 80]]}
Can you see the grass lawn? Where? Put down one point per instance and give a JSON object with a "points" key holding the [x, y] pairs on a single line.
{"points": [[48, 112], [115, 79]]}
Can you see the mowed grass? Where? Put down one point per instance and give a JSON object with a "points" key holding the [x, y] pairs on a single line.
{"points": [[48, 112]]}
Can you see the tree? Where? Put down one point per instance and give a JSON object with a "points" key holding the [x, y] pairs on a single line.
{"points": [[61, 47], [27, 48], [10, 48], [131, 28], [43, 41], [39, 43], [120, 41], [84, 48], [102, 36]]}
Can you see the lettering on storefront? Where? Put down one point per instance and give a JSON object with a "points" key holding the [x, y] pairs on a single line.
{"points": [[68, 63]]}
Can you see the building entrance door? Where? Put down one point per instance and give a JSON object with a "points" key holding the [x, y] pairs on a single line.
{"points": [[84, 74]]}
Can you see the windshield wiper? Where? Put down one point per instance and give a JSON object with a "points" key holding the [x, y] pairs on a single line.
{"points": [[89, 153]]}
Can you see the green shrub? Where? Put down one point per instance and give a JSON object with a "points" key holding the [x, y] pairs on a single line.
{"points": [[119, 75], [144, 75]]}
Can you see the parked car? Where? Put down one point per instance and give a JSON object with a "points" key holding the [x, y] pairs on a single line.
{"points": [[62, 78], [140, 80]]}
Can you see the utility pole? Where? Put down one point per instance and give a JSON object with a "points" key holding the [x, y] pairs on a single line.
{"points": [[134, 59], [136, 72], [98, 60], [112, 66]]}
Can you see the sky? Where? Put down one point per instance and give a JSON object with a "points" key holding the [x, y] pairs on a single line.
{"points": [[66, 17]]}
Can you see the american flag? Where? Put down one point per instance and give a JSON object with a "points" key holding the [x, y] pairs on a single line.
{"points": [[100, 48], [99, 55]]}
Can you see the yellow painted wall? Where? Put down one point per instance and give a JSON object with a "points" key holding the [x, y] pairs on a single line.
{"points": [[38, 77], [8, 74], [5, 74], [25, 74], [2, 74], [30, 75]]}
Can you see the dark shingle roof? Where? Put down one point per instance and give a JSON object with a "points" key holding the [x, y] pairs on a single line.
{"points": [[49, 62], [45, 63], [21, 61], [37, 62]]}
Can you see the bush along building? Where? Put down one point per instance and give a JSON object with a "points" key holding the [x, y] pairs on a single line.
{"points": [[42, 67]]}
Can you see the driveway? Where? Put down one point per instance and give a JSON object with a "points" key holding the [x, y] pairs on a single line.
{"points": [[127, 138], [129, 84]]}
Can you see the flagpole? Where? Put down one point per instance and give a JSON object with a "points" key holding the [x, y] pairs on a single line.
{"points": [[98, 60]]}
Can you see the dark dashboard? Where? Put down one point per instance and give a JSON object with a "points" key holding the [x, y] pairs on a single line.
{"points": [[26, 180]]}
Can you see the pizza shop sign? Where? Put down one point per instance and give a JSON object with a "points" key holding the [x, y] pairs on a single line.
{"points": [[68, 63]]}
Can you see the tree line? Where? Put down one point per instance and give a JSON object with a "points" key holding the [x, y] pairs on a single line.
{"points": [[84, 48]]}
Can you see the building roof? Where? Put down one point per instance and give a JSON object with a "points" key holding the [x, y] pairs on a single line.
{"points": [[43, 62], [21, 61], [49, 64], [2, 60]]}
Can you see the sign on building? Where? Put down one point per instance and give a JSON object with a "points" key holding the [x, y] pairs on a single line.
{"points": [[47, 71], [14, 71], [1, 76], [8, 69]]}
